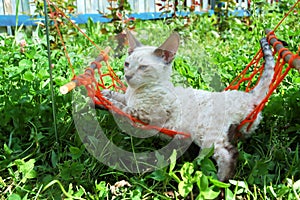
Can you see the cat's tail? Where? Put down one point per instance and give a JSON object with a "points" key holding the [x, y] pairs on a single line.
{"points": [[261, 90]]}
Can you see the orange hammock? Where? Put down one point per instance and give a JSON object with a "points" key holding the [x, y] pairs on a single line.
{"points": [[107, 79]]}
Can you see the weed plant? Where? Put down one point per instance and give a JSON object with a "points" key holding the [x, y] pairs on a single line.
{"points": [[35, 164]]}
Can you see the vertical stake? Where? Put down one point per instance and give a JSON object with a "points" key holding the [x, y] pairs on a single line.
{"points": [[50, 70]]}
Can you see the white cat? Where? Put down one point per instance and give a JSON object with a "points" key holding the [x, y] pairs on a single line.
{"points": [[207, 116]]}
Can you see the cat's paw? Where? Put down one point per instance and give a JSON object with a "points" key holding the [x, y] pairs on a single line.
{"points": [[107, 93]]}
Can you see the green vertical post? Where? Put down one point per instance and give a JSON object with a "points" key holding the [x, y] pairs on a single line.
{"points": [[50, 70]]}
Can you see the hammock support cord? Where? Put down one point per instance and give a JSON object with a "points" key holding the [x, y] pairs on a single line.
{"points": [[292, 59], [88, 72]]}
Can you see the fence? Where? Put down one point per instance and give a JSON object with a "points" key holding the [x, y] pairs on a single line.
{"points": [[144, 9], [27, 7]]}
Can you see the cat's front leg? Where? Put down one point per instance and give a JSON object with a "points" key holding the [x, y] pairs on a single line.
{"points": [[109, 94], [117, 99]]}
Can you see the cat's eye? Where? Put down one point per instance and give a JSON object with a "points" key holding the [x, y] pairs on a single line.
{"points": [[126, 64], [143, 67]]}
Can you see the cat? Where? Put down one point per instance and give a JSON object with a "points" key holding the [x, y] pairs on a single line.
{"points": [[207, 116]]}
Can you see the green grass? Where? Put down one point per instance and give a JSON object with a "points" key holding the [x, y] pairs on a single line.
{"points": [[34, 164]]}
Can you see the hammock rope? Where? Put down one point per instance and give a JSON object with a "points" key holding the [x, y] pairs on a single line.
{"points": [[107, 79], [284, 56]]}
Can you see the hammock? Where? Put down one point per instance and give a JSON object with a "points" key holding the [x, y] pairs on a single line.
{"points": [[107, 79]]}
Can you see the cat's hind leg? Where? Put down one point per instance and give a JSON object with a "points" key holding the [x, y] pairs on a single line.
{"points": [[226, 156]]}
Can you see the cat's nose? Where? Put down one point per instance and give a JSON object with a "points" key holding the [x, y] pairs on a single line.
{"points": [[128, 77]]}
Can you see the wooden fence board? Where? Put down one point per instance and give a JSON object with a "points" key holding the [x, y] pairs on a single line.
{"points": [[101, 6], [88, 6], [205, 5], [151, 7], [95, 6], [13, 6], [32, 7], [7, 7], [134, 5], [91, 6], [25, 7], [1, 7], [81, 6]]}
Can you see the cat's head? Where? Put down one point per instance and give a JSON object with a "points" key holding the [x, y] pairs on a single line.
{"points": [[148, 64]]}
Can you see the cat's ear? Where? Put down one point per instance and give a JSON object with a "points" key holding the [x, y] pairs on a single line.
{"points": [[169, 48], [132, 41]]}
